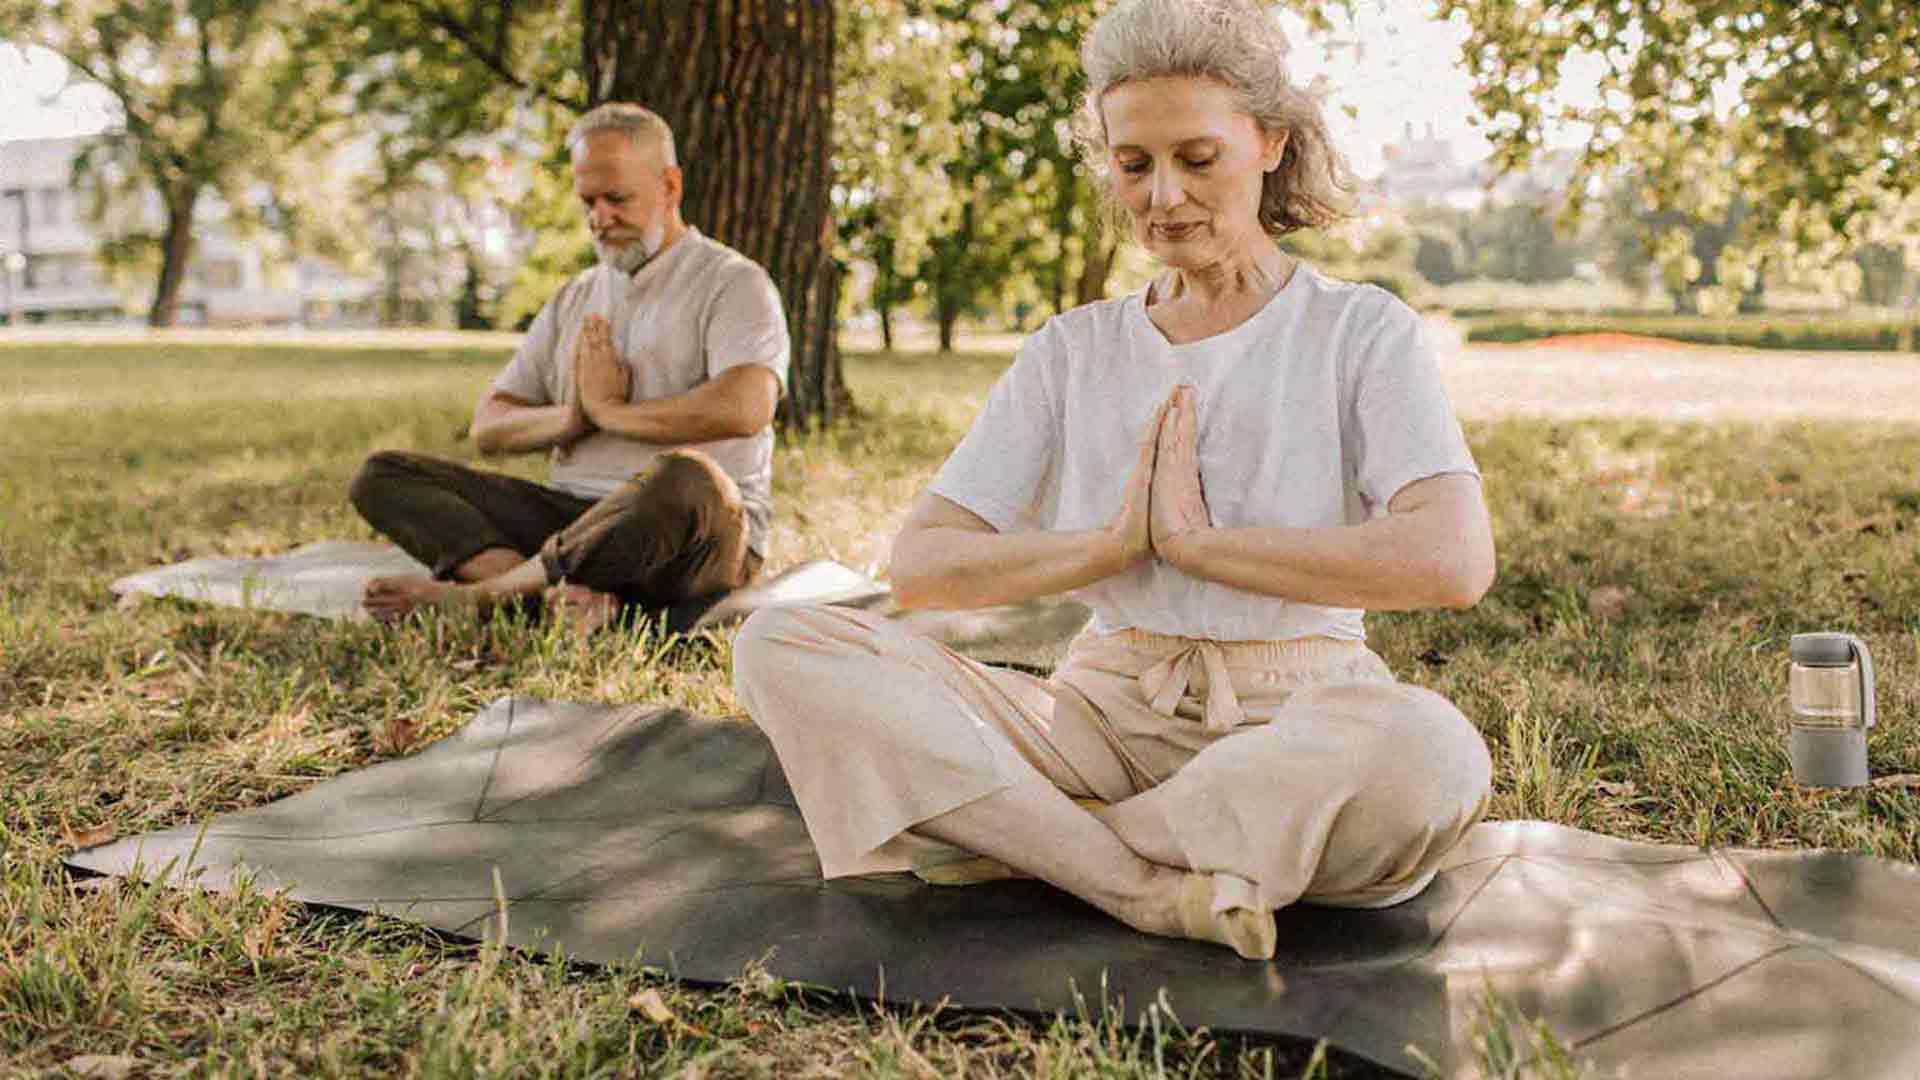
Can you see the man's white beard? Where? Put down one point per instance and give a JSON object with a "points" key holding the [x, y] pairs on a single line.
{"points": [[636, 253]]}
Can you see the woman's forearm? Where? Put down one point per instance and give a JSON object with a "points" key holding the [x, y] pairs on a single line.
{"points": [[949, 567], [1395, 563]]}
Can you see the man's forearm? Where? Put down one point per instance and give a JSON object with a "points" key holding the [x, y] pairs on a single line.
{"points": [[671, 421], [732, 405], [520, 429]]}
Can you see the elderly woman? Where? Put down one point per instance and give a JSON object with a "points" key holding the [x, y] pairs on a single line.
{"points": [[1228, 467]]}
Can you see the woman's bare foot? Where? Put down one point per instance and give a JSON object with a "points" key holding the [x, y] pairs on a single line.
{"points": [[1180, 904], [585, 610], [391, 598], [1251, 932]]}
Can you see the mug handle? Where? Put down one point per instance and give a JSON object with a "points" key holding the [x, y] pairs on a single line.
{"points": [[1859, 649]]}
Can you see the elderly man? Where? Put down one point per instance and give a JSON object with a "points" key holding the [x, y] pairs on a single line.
{"points": [[651, 379]]}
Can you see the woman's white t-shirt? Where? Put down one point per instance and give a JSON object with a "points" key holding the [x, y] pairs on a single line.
{"points": [[1312, 413]]}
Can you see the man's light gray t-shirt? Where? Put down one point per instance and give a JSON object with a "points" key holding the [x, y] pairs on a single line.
{"points": [[696, 310], [1312, 413]]}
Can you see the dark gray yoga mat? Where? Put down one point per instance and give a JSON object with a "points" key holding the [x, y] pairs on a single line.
{"points": [[644, 831]]}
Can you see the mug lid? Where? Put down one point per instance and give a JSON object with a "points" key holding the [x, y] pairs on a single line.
{"points": [[1821, 649]]}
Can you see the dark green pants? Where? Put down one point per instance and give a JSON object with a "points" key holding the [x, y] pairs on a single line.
{"points": [[674, 531]]}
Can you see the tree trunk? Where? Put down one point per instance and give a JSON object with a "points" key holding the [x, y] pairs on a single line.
{"points": [[1094, 270], [1064, 193], [176, 253], [885, 312], [747, 86], [948, 312]]}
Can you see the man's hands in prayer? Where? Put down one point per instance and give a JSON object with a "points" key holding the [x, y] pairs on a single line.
{"points": [[600, 380], [579, 424], [1178, 504]]}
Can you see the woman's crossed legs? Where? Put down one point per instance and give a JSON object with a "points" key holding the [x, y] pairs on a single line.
{"points": [[890, 739]]}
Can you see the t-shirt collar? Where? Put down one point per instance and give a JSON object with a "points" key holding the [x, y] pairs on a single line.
{"points": [[653, 265]]}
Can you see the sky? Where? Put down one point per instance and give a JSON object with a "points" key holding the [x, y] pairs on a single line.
{"points": [[1397, 67]]}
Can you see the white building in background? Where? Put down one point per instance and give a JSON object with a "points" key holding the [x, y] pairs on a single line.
{"points": [[1423, 170], [50, 268]]}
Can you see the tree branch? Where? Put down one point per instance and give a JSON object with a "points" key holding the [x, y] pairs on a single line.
{"points": [[495, 58]]}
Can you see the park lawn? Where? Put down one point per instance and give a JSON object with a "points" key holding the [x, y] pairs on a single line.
{"points": [[1865, 331], [1628, 671]]}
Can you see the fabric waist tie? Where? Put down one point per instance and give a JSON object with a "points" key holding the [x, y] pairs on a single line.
{"points": [[1168, 680]]}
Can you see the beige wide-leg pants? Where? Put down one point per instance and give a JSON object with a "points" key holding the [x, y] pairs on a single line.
{"points": [[1290, 770]]}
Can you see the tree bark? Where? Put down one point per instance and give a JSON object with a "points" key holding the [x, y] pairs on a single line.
{"points": [[947, 309], [1094, 270], [747, 86], [176, 253]]}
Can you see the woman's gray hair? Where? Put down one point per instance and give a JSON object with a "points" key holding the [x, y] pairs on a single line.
{"points": [[644, 126], [1238, 44]]}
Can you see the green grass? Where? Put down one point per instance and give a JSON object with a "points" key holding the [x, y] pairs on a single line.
{"points": [[1821, 331], [1660, 720]]}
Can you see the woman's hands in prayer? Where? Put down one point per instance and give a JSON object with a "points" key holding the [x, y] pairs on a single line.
{"points": [[1164, 500], [1132, 529], [948, 556], [1178, 503]]}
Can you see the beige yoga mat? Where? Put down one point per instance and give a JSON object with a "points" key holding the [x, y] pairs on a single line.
{"points": [[324, 579]]}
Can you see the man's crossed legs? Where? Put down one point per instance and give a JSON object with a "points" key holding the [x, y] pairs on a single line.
{"points": [[674, 531]]}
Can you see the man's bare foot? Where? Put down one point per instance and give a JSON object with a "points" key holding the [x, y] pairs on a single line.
{"points": [[585, 610], [391, 598]]}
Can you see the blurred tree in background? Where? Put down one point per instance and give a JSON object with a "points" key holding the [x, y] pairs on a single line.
{"points": [[894, 130], [1805, 113], [226, 98], [922, 150]]}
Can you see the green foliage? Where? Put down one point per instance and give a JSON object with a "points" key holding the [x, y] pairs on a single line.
{"points": [[1437, 257], [1027, 228], [959, 181], [1804, 111], [1517, 241], [561, 246], [451, 138], [1851, 332], [1886, 276], [222, 98], [893, 133]]}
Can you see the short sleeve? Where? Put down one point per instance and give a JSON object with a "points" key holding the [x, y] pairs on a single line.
{"points": [[1402, 427], [746, 325], [525, 376], [1005, 468]]}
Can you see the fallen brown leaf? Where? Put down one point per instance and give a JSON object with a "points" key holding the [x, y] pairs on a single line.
{"points": [[1898, 780], [184, 924], [650, 1004], [101, 1066], [1608, 601], [84, 838]]}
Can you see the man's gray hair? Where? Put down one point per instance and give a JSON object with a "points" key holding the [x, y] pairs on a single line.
{"points": [[642, 125], [1238, 44]]}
